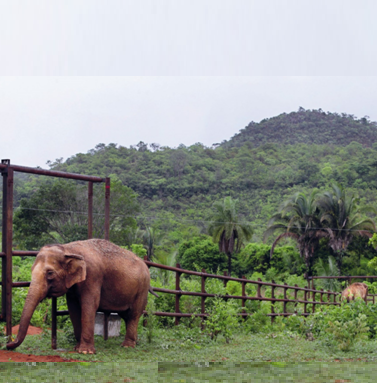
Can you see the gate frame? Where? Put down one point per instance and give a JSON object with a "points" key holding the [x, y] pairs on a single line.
{"points": [[7, 171]]}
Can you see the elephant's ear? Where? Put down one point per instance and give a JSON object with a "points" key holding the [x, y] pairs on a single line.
{"points": [[76, 269]]}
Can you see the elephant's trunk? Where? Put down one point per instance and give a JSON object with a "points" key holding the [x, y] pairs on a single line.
{"points": [[34, 296]]}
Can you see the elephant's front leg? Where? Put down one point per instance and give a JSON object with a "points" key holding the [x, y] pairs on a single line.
{"points": [[89, 305], [74, 309]]}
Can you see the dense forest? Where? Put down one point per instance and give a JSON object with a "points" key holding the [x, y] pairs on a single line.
{"points": [[168, 193]]}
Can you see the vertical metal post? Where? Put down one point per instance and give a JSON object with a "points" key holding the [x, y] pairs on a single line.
{"points": [[177, 295], [285, 302], [243, 295], [273, 302], [305, 299], [7, 242], [203, 298], [225, 283], [90, 209], [107, 208], [53, 322]]}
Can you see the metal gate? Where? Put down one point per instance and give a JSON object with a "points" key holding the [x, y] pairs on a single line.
{"points": [[7, 172]]}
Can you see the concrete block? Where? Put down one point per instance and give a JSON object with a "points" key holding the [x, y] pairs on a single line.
{"points": [[114, 324]]}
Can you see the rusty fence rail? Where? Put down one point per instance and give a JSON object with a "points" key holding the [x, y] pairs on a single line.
{"points": [[286, 294]]}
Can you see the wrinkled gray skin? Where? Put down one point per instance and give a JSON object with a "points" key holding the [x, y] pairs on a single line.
{"points": [[95, 275]]}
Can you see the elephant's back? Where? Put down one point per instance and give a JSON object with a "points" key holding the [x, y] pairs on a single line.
{"points": [[107, 253]]}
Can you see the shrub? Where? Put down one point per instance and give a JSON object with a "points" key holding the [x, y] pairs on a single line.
{"points": [[222, 319], [347, 333]]}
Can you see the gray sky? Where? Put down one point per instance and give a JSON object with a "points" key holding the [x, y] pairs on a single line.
{"points": [[77, 73]]}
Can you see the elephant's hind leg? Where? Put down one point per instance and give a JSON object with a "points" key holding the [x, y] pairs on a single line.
{"points": [[132, 320]]}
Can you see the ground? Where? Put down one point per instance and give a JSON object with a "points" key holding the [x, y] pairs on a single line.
{"points": [[12, 356]]}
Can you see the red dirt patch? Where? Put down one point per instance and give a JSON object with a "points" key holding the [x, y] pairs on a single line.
{"points": [[12, 356]]}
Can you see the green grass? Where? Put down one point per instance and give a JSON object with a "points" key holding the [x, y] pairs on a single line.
{"points": [[184, 355], [211, 372]]}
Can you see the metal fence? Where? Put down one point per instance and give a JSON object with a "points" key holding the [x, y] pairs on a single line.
{"points": [[308, 300], [7, 171]]}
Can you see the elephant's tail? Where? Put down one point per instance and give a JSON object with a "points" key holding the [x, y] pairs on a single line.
{"points": [[152, 292]]}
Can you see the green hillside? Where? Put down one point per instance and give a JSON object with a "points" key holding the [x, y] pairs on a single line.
{"points": [[308, 127], [174, 189], [182, 183]]}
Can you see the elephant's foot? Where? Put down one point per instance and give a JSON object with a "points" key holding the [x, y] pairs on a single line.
{"points": [[85, 349], [129, 343]]}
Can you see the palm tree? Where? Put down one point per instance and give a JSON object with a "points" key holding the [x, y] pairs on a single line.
{"points": [[167, 259], [328, 269], [227, 230], [298, 218], [151, 237], [342, 220]]}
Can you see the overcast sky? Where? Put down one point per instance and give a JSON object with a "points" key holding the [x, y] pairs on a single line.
{"points": [[78, 73]]}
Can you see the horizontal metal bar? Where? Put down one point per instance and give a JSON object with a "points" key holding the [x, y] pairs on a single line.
{"points": [[54, 173], [62, 313], [21, 284], [23, 253]]}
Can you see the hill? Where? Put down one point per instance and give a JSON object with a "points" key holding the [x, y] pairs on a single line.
{"points": [[177, 187], [307, 127]]}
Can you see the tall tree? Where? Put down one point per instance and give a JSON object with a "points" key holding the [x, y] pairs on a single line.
{"points": [[298, 218], [342, 220], [227, 229]]}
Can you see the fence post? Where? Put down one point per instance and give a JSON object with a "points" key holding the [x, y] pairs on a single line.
{"points": [[203, 298], [7, 243], [107, 208], [272, 304], [225, 283], [296, 291], [177, 295], [305, 299], [285, 302], [90, 209], [244, 295], [313, 296]]}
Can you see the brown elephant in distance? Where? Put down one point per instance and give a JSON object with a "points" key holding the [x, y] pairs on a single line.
{"points": [[95, 275], [355, 290]]}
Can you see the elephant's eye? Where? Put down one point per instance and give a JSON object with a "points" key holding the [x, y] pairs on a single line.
{"points": [[50, 274]]}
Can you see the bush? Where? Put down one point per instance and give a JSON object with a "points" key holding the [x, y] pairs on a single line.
{"points": [[222, 319]]}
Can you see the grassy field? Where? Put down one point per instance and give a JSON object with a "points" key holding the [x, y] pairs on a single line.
{"points": [[183, 355], [211, 372]]}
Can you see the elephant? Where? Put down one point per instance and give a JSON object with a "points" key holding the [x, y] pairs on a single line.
{"points": [[95, 275], [355, 290]]}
